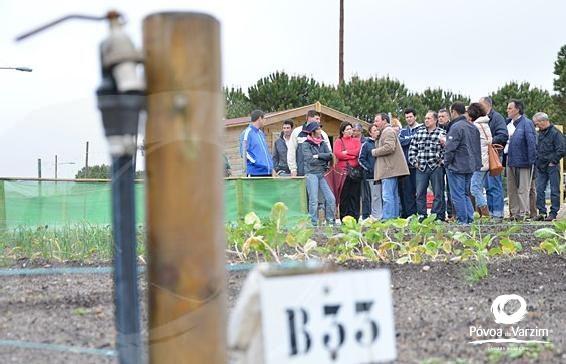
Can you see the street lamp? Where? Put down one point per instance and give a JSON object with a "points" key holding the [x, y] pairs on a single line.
{"points": [[57, 164], [23, 69]]}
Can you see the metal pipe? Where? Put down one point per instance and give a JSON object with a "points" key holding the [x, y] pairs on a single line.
{"points": [[125, 269]]}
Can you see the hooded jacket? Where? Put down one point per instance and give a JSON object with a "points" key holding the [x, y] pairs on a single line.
{"points": [[550, 147], [294, 153], [315, 165], [482, 123]]}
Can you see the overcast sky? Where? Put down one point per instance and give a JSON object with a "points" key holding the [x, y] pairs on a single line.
{"points": [[471, 47]]}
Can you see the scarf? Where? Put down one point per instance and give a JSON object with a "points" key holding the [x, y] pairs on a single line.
{"points": [[316, 141]]}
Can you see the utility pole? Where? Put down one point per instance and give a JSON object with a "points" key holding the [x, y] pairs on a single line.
{"points": [[86, 159], [341, 45], [39, 168]]}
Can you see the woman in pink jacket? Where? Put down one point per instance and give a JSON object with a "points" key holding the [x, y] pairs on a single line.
{"points": [[347, 149]]}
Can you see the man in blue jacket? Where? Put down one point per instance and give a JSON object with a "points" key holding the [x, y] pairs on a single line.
{"points": [[253, 148], [500, 135], [462, 157], [521, 158], [408, 184]]}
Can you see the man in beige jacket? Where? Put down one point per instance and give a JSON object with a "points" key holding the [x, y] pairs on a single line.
{"points": [[389, 164]]}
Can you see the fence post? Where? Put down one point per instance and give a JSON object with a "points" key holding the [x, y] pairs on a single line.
{"points": [[185, 196], [3, 222]]}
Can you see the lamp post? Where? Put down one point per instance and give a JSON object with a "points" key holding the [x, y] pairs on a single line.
{"points": [[60, 163], [18, 68], [120, 99]]}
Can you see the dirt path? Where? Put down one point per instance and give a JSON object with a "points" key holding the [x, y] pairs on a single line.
{"points": [[434, 310]]}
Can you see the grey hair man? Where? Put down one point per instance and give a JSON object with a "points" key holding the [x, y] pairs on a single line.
{"points": [[549, 151]]}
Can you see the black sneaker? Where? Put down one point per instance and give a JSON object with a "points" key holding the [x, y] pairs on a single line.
{"points": [[540, 217], [550, 218]]}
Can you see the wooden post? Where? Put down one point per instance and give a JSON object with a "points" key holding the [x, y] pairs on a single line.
{"points": [[341, 45], [55, 166], [86, 159], [185, 227], [39, 168], [3, 222]]}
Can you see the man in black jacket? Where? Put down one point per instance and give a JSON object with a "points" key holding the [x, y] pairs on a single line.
{"points": [[550, 149], [500, 135], [462, 157], [280, 149]]}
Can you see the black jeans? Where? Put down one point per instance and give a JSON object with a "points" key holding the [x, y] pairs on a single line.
{"points": [[408, 193], [366, 199], [350, 199], [448, 201], [436, 179]]}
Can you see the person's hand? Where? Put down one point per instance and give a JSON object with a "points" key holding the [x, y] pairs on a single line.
{"points": [[345, 152], [293, 173], [315, 156], [442, 140]]}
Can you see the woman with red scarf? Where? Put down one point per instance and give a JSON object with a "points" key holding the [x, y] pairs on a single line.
{"points": [[347, 149], [317, 157]]}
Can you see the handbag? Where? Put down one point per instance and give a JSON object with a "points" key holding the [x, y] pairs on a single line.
{"points": [[495, 166], [355, 173]]}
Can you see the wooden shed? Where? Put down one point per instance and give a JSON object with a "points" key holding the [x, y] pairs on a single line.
{"points": [[330, 120]]}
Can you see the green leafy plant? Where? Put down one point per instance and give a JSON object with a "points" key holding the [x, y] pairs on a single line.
{"points": [[267, 238], [476, 271], [554, 238]]}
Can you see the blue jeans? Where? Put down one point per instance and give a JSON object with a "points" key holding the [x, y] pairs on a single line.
{"points": [[316, 183], [436, 179], [477, 189], [460, 192], [390, 196], [494, 192], [544, 176]]}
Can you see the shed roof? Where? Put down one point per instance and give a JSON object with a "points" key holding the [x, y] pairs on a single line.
{"points": [[275, 117]]}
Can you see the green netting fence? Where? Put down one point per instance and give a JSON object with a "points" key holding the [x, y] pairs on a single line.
{"points": [[66, 202]]}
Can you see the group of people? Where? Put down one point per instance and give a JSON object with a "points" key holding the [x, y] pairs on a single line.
{"points": [[386, 174]]}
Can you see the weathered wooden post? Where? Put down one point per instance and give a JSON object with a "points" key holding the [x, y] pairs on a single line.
{"points": [[185, 189]]}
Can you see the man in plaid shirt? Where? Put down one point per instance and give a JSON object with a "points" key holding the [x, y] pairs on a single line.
{"points": [[426, 154]]}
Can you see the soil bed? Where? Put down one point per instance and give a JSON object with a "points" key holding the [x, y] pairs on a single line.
{"points": [[434, 309]]}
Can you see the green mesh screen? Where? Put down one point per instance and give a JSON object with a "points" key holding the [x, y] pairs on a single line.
{"points": [[33, 203]]}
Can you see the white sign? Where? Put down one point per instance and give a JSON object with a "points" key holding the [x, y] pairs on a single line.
{"points": [[344, 317]]}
